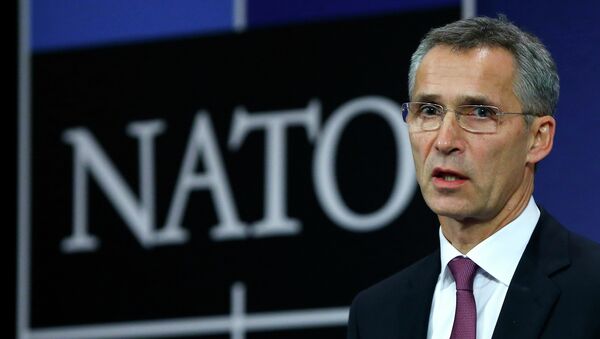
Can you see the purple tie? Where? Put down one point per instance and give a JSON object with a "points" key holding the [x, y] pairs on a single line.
{"points": [[465, 318]]}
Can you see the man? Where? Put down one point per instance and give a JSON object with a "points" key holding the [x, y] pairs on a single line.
{"points": [[480, 119]]}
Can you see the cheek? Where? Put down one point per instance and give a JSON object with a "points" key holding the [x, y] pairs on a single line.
{"points": [[490, 161], [503, 164], [418, 151]]}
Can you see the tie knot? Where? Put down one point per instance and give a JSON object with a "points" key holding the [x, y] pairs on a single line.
{"points": [[463, 270]]}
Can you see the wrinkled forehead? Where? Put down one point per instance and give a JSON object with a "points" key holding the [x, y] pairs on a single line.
{"points": [[481, 75]]}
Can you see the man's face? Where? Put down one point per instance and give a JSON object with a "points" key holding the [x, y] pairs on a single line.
{"points": [[469, 176]]}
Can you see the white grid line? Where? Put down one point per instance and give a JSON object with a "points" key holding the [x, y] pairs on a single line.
{"points": [[240, 15], [468, 9], [285, 320], [23, 171], [237, 324]]}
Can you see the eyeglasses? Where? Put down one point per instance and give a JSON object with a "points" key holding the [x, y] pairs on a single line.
{"points": [[425, 116]]}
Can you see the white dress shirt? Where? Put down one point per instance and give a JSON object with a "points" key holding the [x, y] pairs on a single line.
{"points": [[497, 258]]}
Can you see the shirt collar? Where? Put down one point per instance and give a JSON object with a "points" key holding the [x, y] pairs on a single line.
{"points": [[499, 254]]}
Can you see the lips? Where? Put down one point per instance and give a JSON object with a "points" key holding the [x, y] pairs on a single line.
{"points": [[448, 178], [439, 172]]}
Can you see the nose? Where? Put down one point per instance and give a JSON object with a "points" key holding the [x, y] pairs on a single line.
{"points": [[448, 135]]}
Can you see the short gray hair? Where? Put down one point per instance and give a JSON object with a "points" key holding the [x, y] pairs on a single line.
{"points": [[536, 84]]}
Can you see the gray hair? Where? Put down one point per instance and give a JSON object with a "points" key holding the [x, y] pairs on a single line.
{"points": [[536, 84]]}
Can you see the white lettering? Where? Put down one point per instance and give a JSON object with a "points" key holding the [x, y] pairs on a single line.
{"points": [[90, 158], [325, 182], [202, 144], [275, 124]]}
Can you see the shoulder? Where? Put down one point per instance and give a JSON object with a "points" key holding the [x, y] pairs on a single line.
{"points": [[377, 311], [581, 254], [571, 263], [395, 286], [582, 247], [568, 259], [585, 256]]}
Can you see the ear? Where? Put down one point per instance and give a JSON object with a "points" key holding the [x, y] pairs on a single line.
{"points": [[542, 131]]}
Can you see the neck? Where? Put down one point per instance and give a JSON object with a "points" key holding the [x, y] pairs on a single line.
{"points": [[467, 233]]}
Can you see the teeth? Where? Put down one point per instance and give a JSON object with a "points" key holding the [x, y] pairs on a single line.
{"points": [[450, 178]]}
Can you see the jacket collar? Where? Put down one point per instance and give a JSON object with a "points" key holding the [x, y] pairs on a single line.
{"points": [[532, 294], [418, 297]]}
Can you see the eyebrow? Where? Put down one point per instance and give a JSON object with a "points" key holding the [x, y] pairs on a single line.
{"points": [[462, 100], [475, 100], [433, 98]]}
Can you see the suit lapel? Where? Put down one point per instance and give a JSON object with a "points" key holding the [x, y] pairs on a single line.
{"points": [[416, 303], [532, 293]]}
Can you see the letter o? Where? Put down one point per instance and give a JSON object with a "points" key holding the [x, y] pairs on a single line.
{"points": [[325, 181]]}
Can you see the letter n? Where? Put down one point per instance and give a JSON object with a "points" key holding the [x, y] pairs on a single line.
{"points": [[90, 160]]}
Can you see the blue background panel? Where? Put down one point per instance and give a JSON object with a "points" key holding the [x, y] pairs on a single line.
{"points": [[269, 12], [565, 181], [65, 23]]}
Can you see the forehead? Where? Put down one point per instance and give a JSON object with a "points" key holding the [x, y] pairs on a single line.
{"points": [[452, 75]]}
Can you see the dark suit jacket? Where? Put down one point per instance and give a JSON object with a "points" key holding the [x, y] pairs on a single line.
{"points": [[555, 293]]}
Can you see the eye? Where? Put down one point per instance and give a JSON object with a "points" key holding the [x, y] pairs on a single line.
{"points": [[483, 112], [428, 110]]}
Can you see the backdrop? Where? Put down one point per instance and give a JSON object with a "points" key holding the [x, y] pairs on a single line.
{"points": [[239, 169]]}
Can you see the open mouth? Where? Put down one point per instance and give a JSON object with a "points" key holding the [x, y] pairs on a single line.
{"points": [[447, 175]]}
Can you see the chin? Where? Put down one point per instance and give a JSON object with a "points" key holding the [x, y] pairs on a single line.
{"points": [[454, 214], [451, 208]]}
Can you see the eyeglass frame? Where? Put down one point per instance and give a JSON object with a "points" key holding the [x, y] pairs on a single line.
{"points": [[441, 112]]}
